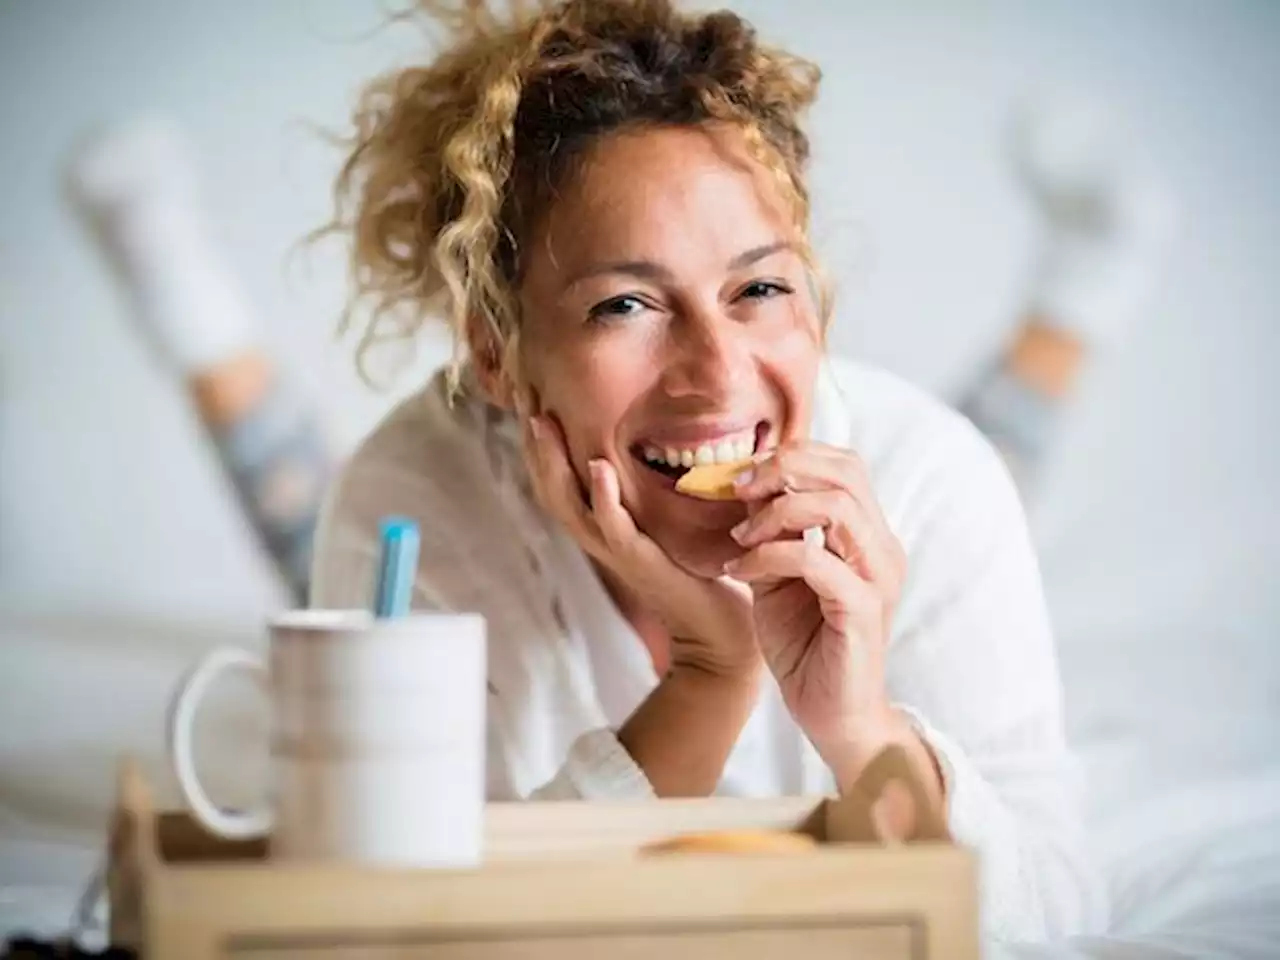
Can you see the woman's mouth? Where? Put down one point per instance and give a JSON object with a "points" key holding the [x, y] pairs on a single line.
{"points": [[672, 460]]}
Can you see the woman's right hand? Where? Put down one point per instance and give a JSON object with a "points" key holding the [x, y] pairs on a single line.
{"points": [[709, 621]]}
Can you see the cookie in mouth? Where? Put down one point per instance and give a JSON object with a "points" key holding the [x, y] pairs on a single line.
{"points": [[712, 481]]}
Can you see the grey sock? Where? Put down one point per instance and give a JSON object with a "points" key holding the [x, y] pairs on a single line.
{"points": [[280, 464]]}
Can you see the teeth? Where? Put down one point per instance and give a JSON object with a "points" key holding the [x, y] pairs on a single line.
{"points": [[728, 450]]}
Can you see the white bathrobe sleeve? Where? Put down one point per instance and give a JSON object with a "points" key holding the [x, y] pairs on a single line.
{"points": [[973, 664]]}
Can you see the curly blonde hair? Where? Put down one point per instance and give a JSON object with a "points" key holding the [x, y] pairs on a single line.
{"points": [[451, 162]]}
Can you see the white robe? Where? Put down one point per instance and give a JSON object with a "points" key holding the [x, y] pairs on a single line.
{"points": [[971, 657]]}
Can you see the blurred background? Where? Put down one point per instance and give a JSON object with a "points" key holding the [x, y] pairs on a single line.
{"points": [[124, 554]]}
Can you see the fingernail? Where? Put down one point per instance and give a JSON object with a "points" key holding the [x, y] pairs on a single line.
{"points": [[738, 531], [744, 478], [539, 428]]}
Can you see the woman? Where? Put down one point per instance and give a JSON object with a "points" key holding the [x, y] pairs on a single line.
{"points": [[606, 199]]}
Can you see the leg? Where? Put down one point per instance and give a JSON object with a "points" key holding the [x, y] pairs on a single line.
{"points": [[272, 447], [1104, 233], [136, 188]]}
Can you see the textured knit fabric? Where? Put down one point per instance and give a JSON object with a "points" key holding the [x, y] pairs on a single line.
{"points": [[971, 658]]}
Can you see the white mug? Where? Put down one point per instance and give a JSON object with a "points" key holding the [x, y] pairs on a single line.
{"points": [[378, 738]]}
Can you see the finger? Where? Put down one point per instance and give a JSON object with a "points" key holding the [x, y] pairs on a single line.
{"points": [[616, 525], [555, 483], [812, 466], [841, 593], [631, 551], [801, 468], [795, 513], [846, 529]]}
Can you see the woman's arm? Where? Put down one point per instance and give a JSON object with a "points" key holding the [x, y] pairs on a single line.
{"points": [[674, 745], [682, 734]]}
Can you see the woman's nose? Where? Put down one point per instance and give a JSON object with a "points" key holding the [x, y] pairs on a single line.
{"points": [[707, 355]]}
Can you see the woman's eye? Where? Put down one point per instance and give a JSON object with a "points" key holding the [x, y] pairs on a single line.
{"points": [[616, 307], [764, 290]]}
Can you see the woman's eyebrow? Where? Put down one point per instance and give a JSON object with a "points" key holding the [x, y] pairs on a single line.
{"points": [[756, 254], [651, 270]]}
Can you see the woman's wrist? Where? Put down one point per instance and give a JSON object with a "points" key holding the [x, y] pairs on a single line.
{"points": [[723, 680], [728, 665]]}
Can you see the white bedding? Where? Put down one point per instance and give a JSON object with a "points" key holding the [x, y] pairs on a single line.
{"points": [[1169, 660], [1193, 875]]}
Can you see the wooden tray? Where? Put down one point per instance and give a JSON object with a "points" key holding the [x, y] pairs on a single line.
{"points": [[560, 880]]}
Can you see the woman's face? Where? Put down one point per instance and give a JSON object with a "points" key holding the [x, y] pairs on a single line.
{"points": [[667, 318]]}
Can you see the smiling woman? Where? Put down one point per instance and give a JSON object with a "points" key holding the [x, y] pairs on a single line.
{"points": [[605, 201]]}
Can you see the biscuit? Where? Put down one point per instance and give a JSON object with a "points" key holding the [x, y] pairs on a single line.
{"points": [[712, 481], [735, 841]]}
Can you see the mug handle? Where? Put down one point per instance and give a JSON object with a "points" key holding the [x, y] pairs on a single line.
{"points": [[230, 825]]}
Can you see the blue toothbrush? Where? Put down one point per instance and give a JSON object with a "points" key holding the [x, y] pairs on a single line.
{"points": [[396, 567]]}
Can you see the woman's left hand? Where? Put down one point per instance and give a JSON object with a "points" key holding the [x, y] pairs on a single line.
{"points": [[823, 607]]}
